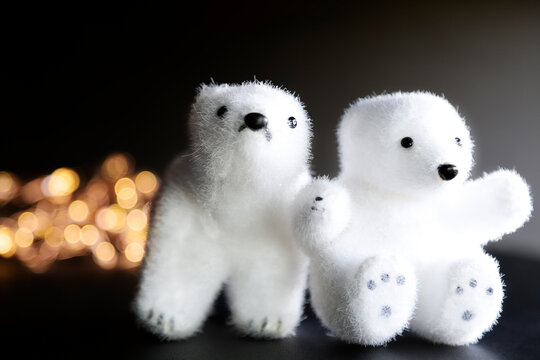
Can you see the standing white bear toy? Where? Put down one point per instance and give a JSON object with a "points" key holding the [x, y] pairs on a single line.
{"points": [[396, 240], [224, 216]]}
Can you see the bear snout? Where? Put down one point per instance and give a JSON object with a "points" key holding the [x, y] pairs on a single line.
{"points": [[255, 121], [447, 171]]}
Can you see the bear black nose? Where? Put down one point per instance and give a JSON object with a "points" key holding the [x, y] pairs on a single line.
{"points": [[255, 121], [448, 171]]}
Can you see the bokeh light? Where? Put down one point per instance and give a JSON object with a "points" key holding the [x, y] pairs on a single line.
{"points": [[8, 186], [137, 220], [105, 251], [44, 222], [6, 241], [61, 182], [115, 166], [127, 198], [61, 216], [89, 235], [54, 237], [134, 252], [24, 238], [72, 233], [126, 194], [105, 255], [28, 220], [111, 218], [78, 211], [146, 182]]}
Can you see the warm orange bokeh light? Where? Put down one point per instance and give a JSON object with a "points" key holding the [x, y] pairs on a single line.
{"points": [[107, 217], [28, 220], [24, 238], [134, 252], [115, 166], [126, 194], [6, 241], [6, 182], [44, 222], [54, 236], [89, 235], [8, 187], [72, 233], [146, 182], [123, 183], [105, 251], [137, 220], [111, 218], [61, 182], [78, 211]]}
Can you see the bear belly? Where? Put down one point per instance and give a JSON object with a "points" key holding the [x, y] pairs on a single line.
{"points": [[410, 234]]}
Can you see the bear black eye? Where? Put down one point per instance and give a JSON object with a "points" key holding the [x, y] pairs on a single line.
{"points": [[407, 142], [221, 111], [458, 141], [292, 122]]}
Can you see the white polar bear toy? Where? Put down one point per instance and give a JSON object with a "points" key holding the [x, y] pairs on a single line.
{"points": [[396, 239], [224, 217]]}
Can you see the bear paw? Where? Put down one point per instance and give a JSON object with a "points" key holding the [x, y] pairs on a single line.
{"points": [[330, 210], [472, 304], [266, 327], [514, 202], [383, 300], [323, 213], [167, 325]]}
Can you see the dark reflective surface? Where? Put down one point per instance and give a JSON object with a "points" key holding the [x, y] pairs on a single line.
{"points": [[77, 310]]}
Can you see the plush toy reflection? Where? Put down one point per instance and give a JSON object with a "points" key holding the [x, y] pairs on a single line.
{"points": [[224, 217], [397, 238]]}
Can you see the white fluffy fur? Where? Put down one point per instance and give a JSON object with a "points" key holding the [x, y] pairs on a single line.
{"points": [[224, 217], [389, 233]]}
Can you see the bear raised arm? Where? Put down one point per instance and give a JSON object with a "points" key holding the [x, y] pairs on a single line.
{"points": [[322, 212], [409, 251], [223, 217], [489, 207]]}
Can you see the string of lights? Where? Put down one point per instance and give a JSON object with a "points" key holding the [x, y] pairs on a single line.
{"points": [[56, 218]]}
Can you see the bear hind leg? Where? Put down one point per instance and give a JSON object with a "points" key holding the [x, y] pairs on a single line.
{"points": [[266, 294], [178, 289], [470, 304]]}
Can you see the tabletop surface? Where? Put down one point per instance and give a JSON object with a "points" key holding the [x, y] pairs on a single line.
{"points": [[78, 311]]}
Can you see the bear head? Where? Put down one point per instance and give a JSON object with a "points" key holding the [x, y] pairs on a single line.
{"points": [[406, 143], [251, 130]]}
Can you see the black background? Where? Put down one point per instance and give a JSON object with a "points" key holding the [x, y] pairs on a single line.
{"points": [[82, 79], [89, 78]]}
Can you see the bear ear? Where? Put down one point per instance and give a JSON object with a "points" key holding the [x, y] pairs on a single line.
{"points": [[211, 89]]}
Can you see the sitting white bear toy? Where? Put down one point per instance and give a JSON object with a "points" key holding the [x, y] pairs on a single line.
{"points": [[224, 216], [397, 238]]}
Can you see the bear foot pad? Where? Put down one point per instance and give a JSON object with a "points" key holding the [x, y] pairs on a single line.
{"points": [[384, 301], [472, 304]]}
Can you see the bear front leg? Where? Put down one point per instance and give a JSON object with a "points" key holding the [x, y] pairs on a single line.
{"points": [[322, 212], [182, 274], [266, 290], [460, 302], [489, 207]]}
